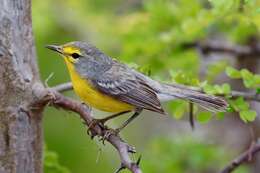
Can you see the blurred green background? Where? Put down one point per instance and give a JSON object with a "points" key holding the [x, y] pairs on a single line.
{"points": [[151, 34]]}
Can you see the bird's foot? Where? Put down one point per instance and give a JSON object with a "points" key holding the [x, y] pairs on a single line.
{"points": [[108, 133], [95, 122]]}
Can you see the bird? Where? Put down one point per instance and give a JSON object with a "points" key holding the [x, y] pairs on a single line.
{"points": [[107, 84]]}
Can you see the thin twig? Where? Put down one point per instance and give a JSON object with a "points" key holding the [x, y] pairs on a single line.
{"points": [[63, 87], [243, 158], [250, 96], [53, 98], [191, 116], [209, 46]]}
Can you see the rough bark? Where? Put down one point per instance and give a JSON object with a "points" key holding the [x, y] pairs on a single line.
{"points": [[20, 124]]}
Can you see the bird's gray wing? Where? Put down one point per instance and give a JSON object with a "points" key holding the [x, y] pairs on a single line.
{"points": [[121, 83]]}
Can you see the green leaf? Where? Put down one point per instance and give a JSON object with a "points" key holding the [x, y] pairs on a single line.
{"points": [[230, 108], [220, 115], [257, 79], [215, 69], [184, 78], [51, 162], [248, 115], [248, 1], [209, 89], [258, 10], [248, 78], [204, 117], [178, 107], [239, 104], [226, 89], [233, 73], [218, 89], [257, 90], [246, 74]]}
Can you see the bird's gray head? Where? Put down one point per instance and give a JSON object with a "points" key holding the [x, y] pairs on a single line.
{"points": [[76, 50], [83, 56]]}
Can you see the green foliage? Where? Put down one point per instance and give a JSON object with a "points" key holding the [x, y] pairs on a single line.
{"points": [[184, 78], [204, 117], [215, 69], [233, 73], [51, 163], [247, 115], [223, 89], [241, 106], [185, 155], [178, 107], [250, 80], [220, 115]]}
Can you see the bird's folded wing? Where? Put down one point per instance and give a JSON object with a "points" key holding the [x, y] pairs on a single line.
{"points": [[121, 83]]}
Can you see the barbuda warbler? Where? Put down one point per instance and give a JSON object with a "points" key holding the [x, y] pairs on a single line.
{"points": [[111, 86]]}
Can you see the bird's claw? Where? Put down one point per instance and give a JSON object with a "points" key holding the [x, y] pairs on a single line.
{"points": [[131, 149], [92, 124], [108, 133]]}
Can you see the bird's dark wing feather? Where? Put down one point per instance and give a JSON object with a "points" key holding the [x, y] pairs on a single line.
{"points": [[121, 83]]}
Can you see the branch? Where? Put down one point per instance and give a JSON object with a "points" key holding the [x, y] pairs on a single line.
{"points": [[225, 47], [63, 87], [53, 98], [243, 158], [246, 95]]}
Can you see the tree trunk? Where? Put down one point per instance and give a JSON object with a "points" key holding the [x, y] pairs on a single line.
{"points": [[20, 123]]}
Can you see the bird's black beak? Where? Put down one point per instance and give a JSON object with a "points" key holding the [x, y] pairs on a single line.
{"points": [[55, 48]]}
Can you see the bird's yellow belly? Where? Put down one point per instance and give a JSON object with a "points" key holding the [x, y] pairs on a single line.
{"points": [[94, 98]]}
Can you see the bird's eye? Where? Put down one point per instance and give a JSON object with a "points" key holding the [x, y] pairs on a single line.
{"points": [[75, 55]]}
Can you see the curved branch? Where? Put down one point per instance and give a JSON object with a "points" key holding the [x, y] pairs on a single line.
{"points": [[53, 98], [63, 87], [244, 157]]}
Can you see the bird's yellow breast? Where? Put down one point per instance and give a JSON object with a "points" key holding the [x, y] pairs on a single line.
{"points": [[92, 96]]}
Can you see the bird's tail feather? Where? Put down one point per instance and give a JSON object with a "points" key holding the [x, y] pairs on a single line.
{"points": [[209, 102]]}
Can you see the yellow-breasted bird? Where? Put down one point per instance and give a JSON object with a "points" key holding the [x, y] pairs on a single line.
{"points": [[111, 86]]}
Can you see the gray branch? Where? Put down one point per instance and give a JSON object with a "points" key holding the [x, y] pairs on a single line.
{"points": [[225, 47], [243, 158], [63, 87], [53, 98]]}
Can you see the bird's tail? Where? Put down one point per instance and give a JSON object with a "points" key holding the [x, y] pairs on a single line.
{"points": [[209, 102]]}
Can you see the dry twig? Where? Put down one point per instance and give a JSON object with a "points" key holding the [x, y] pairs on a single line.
{"points": [[243, 158]]}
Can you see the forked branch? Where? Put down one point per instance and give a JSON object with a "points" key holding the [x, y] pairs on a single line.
{"points": [[229, 168], [54, 98], [243, 158]]}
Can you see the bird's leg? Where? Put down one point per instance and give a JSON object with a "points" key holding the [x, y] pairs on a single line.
{"points": [[137, 112], [103, 120], [116, 131]]}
